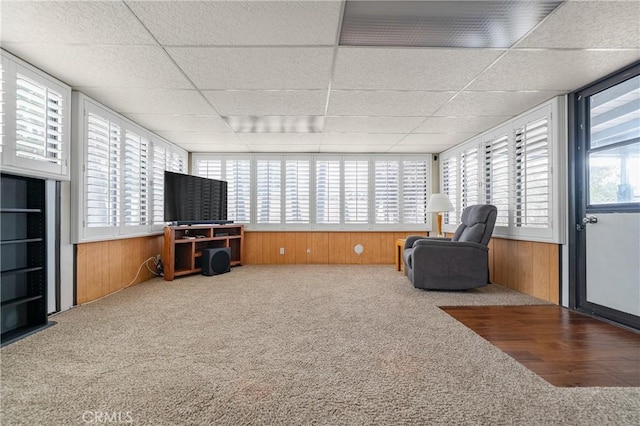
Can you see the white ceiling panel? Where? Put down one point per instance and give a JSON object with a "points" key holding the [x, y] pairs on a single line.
{"points": [[459, 124], [254, 139], [104, 66], [216, 147], [360, 139], [369, 149], [215, 23], [418, 149], [589, 24], [371, 124], [151, 101], [77, 22], [494, 103], [200, 138], [268, 102], [180, 123], [256, 68], [436, 139], [409, 69], [386, 103], [283, 149], [562, 70]]}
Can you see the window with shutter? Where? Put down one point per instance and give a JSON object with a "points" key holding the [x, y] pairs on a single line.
{"points": [[387, 191], [268, 191], [356, 192], [159, 165], [416, 189], [328, 187], [469, 178], [297, 191], [210, 169], [497, 177], [136, 179], [238, 177], [103, 172], [450, 186], [532, 175]]}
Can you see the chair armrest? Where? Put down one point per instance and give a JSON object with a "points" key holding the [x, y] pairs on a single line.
{"points": [[408, 243]]}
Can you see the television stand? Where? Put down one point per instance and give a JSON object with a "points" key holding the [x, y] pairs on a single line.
{"points": [[183, 246], [201, 222]]}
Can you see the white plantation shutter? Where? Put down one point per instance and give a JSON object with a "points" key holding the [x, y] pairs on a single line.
{"points": [[497, 177], [387, 191], [159, 165], [469, 184], [328, 187], [177, 162], [356, 192], [297, 187], [136, 179], [103, 172], [238, 177], [416, 189], [450, 186], [39, 128], [210, 169], [268, 191], [532, 175]]}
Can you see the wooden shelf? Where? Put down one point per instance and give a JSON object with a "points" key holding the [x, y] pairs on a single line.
{"points": [[182, 255]]}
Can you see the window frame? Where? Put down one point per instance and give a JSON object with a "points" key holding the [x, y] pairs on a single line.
{"points": [[555, 112], [10, 161]]}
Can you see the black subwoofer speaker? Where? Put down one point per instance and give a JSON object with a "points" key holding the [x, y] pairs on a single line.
{"points": [[216, 261]]}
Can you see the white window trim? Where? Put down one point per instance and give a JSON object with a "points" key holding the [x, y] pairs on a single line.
{"points": [[82, 105], [313, 158], [555, 110], [10, 162]]}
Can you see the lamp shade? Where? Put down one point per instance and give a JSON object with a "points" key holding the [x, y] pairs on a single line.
{"points": [[439, 203]]}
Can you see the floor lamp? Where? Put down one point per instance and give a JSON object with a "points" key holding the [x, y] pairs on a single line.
{"points": [[439, 203]]}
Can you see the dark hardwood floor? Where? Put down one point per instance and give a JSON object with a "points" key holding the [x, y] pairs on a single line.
{"points": [[564, 347]]}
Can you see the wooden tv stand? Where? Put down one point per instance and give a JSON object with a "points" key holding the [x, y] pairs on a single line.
{"points": [[183, 246]]}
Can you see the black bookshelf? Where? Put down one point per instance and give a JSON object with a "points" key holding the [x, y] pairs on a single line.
{"points": [[23, 278]]}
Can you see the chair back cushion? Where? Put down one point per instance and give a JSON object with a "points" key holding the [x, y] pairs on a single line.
{"points": [[477, 224]]}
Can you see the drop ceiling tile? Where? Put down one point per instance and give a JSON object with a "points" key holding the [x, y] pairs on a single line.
{"points": [[180, 123], [293, 139], [409, 69], [436, 139], [562, 70], [418, 149], [201, 138], [386, 103], [283, 149], [268, 102], [360, 139], [589, 24], [223, 68], [104, 66], [78, 22], [371, 124], [337, 149], [216, 23], [494, 103], [216, 148], [150, 101], [463, 124]]}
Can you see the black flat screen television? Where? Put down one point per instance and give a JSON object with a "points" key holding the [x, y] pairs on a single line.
{"points": [[190, 200]]}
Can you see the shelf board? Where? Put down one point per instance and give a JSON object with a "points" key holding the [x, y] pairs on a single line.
{"points": [[26, 240], [20, 301], [8, 210], [21, 271], [18, 333]]}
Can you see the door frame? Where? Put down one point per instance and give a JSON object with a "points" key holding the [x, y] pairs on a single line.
{"points": [[577, 177]]}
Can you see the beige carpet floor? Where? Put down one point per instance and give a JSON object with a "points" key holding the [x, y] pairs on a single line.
{"points": [[306, 344]]}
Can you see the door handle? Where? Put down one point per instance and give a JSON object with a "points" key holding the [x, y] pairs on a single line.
{"points": [[590, 219]]}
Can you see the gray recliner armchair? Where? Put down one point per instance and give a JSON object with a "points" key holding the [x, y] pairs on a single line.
{"points": [[458, 263]]}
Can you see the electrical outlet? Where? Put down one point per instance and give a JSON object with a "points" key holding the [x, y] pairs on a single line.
{"points": [[281, 250], [308, 251]]}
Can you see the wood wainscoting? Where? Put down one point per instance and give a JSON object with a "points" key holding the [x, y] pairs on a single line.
{"points": [[263, 248], [107, 266], [529, 267]]}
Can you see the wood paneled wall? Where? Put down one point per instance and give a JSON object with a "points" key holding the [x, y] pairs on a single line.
{"points": [[108, 266], [263, 248], [529, 267]]}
